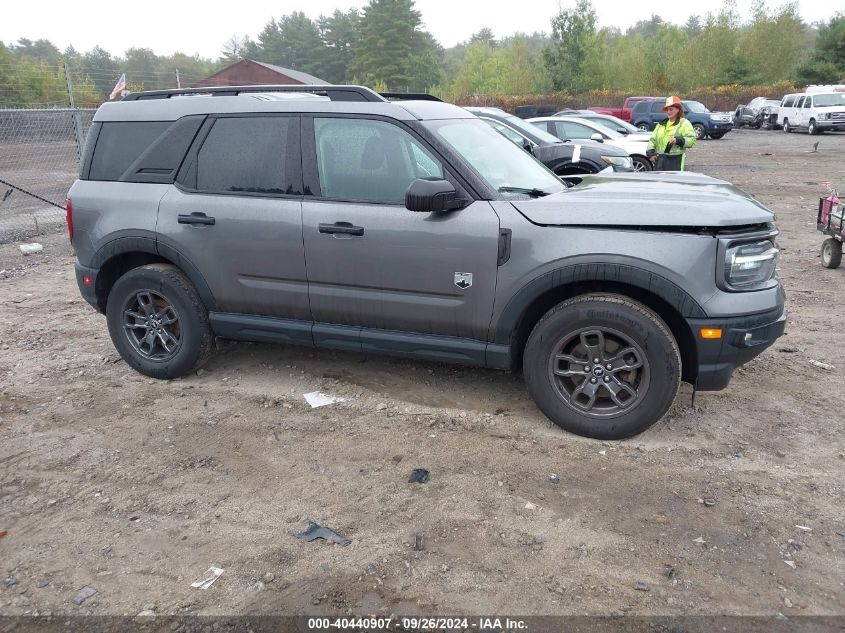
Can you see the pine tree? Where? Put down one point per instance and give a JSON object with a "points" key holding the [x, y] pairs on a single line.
{"points": [[392, 47]]}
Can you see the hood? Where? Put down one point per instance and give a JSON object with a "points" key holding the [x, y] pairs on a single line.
{"points": [[665, 199]]}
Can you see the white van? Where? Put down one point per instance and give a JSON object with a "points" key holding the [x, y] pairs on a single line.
{"points": [[813, 111]]}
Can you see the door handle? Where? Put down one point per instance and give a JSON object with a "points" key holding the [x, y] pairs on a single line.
{"points": [[197, 217], [342, 227]]}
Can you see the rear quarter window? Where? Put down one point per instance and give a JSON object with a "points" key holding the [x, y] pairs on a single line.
{"points": [[119, 144]]}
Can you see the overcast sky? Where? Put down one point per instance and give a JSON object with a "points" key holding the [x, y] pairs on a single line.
{"points": [[199, 28]]}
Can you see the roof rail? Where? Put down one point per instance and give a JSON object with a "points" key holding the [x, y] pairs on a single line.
{"points": [[335, 93], [415, 96]]}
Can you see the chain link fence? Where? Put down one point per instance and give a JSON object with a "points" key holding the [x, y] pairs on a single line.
{"points": [[42, 133], [39, 160]]}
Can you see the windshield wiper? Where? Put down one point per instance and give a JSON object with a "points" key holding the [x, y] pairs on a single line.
{"points": [[533, 192]]}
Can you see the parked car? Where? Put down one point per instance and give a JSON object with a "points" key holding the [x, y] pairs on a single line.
{"points": [[572, 128], [713, 124], [565, 158], [815, 112], [760, 112], [412, 228], [625, 112]]}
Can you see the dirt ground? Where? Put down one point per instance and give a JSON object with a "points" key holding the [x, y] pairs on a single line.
{"points": [[135, 487]]}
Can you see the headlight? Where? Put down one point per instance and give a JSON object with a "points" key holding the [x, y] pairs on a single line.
{"points": [[749, 266], [624, 162]]}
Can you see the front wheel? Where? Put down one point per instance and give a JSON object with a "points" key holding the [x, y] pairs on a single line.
{"points": [[602, 366], [831, 253], [812, 128], [786, 127], [641, 164], [717, 135], [700, 131], [158, 322], [643, 127]]}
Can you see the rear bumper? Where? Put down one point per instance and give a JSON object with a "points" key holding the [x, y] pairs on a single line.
{"points": [[743, 338], [86, 279]]}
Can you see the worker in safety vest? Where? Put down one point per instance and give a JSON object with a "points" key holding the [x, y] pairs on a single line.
{"points": [[671, 138]]}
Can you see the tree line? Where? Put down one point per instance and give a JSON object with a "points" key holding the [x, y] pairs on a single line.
{"points": [[384, 45]]}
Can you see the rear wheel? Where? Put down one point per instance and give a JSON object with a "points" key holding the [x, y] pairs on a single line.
{"points": [[602, 366], [643, 127], [700, 131], [158, 322], [831, 253]]}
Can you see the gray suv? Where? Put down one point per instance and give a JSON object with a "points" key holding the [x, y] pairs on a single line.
{"points": [[328, 216]]}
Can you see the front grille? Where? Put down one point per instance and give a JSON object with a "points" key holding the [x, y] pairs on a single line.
{"points": [[837, 116]]}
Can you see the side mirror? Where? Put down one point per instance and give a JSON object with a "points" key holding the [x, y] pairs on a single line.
{"points": [[598, 138], [622, 131], [432, 196], [527, 147]]}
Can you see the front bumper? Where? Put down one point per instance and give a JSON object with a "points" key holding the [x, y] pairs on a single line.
{"points": [[828, 126], [719, 126], [743, 338]]}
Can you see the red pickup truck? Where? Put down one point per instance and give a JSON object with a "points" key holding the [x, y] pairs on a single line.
{"points": [[624, 112]]}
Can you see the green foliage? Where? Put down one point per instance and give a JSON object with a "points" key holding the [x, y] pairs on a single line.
{"points": [[338, 33], [293, 41], [827, 62], [573, 30], [511, 67], [384, 45], [392, 47]]}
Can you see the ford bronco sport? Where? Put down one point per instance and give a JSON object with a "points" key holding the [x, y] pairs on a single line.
{"points": [[328, 216]]}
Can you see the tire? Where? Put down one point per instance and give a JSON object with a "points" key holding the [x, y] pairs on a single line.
{"points": [[717, 135], [812, 129], [641, 163], [700, 131], [643, 127], [629, 398], [180, 338], [786, 127], [831, 253]]}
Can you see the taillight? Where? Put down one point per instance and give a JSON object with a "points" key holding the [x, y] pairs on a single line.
{"points": [[69, 215]]}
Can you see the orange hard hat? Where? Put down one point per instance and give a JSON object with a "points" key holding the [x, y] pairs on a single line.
{"points": [[672, 101]]}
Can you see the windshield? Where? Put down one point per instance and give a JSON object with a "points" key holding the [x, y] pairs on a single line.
{"points": [[773, 102], [824, 101], [530, 130], [695, 106], [498, 161]]}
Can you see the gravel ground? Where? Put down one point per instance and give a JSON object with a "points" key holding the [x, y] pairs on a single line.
{"points": [[135, 487]]}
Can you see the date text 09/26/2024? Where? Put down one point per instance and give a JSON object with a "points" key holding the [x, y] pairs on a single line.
{"points": [[418, 623]]}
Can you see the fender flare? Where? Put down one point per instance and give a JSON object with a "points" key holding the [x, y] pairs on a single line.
{"points": [[668, 291], [125, 245]]}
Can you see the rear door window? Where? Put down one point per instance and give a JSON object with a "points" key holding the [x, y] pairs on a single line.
{"points": [[247, 154]]}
